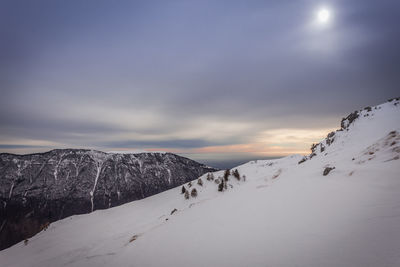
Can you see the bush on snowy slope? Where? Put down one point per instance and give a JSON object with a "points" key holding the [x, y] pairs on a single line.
{"points": [[222, 182], [236, 174], [193, 193], [221, 186], [226, 174], [187, 194]]}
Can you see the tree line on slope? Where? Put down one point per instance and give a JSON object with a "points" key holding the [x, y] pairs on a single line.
{"points": [[222, 182]]}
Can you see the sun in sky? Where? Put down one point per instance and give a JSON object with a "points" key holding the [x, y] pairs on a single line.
{"points": [[324, 15]]}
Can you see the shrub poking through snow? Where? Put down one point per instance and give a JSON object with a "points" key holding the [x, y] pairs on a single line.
{"points": [[187, 194], [236, 174], [133, 238], [221, 186], [244, 178], [328, 170], [190, 184], [210, 177], [226, 174], [276, 175], [302, 160], [200, 182], [194, 192], [313, 147], [330, 138], [173, 211], [183, 189], [44, 226], [322, 148], [26, 241]]}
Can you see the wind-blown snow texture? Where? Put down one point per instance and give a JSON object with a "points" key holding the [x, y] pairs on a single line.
{"points": [[40, 188], [283, 214]]}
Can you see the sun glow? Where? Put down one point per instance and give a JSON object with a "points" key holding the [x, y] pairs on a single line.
{"points": [[324, 15]]}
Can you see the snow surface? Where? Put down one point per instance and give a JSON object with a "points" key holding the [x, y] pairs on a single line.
{"points": [[284, 214]]}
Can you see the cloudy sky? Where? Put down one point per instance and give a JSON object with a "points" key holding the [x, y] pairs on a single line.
{"points": [[213, 80]]}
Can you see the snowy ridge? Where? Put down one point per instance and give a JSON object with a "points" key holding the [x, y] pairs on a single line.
{"points": [[279, 213], [138, 151], [377, 120]]}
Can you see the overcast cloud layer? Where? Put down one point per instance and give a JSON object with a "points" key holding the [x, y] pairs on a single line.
{"points": [[197, 77]]}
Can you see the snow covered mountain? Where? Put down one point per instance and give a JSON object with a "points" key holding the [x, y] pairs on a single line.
{"points": [[339, 206], [41, 188]]}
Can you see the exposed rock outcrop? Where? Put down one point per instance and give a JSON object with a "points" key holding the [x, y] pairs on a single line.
{"points": [[327, 170], [345, 125]]}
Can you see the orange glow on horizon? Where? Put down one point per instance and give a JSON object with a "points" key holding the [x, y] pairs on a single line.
{"points": [[277, 142], [270, 143]]}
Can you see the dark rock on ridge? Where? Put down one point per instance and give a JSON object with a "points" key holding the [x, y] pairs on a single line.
{"points": [[349, 119], [327, 170]]}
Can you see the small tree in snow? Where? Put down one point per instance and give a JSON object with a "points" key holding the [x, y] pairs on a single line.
{"points": [[194, 192], [183, 189], [236, 174], [200, 182], [221, 186], [226, 174], [187, 194], [210, 176]]}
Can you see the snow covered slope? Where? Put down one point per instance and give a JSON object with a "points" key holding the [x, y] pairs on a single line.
{"points": [[282, 214]]}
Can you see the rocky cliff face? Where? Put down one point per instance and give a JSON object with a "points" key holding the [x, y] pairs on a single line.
{"points": [[37, 189]]}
